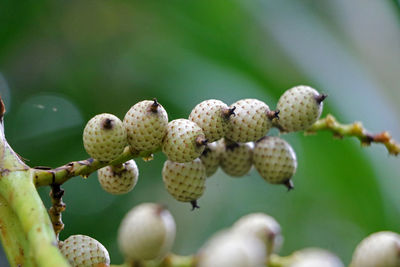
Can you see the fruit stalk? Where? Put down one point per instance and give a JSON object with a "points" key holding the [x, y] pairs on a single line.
{"points": [[356, 129]]}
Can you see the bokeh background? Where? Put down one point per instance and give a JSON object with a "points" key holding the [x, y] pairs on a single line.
{"points": [[62, 62]]}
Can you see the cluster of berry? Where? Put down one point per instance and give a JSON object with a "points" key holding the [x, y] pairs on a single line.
{"points": [[148, 232], [215, 134]]}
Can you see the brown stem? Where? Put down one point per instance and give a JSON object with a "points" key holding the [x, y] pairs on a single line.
{"points": [[356, 129], [57, 208]]}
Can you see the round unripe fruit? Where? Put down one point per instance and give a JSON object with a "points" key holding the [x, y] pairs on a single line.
{"points": [[275, 160], [212, 116], [211, 157], [119, 179], [263, 227], [185, 181], [300, 107], [184, 141], [236, 158], [233, 250], [314, 257], [84, 251], [252, 120], [381, 249], [146, 125], [147, 232], [104, 137]]}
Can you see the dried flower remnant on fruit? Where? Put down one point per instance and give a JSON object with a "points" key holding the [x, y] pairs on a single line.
{"points": [[104, 137], [146, 124]]}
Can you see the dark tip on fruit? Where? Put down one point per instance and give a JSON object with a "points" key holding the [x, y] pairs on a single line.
{"points": [[201, 140], [108, 124], [289, 184], [2, 108], [194, 205], [272, 114], [160, 208], [321, 97], [262, 138], [206, 151], [271, 236], [154, 106], [228, 112]]}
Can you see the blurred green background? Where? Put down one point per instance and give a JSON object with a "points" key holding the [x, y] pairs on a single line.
{"points": [[62, 62]]}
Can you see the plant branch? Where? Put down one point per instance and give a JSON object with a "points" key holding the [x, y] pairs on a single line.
{"points": [[356, 129], [56, 209], [82, 168], [12, 236]]}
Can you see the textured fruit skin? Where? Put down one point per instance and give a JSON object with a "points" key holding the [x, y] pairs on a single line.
{"points": [[209, 116], [274, 159], [147, 232], [146, 128], [119, 181], [250, 122], [84, 251], [314, 257], [211, 157], [179, 144], [231, 249], [236, 158], [298, 108], [381, 249], [263, 227], [104, 137], [184, 181]]}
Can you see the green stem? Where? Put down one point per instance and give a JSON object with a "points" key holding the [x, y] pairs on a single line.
{"points": [[356, 129], [82, 168], [12, 237], [17, 189]]}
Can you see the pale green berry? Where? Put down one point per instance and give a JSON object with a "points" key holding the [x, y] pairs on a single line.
{"points": [[119, 179], [185, 181], [314, 257], [381, 249], [184, 141], [147, 232], [84, 251], [212, 116], [275, 160], [146, 125], [211, 157], [299, 107], [263, 227], [232, 249], [252, 120], [104, 137], [236, 158]]}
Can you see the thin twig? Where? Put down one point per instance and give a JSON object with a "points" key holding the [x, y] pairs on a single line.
{"points": [[82, 168], [57, 208], [356, 129]]}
